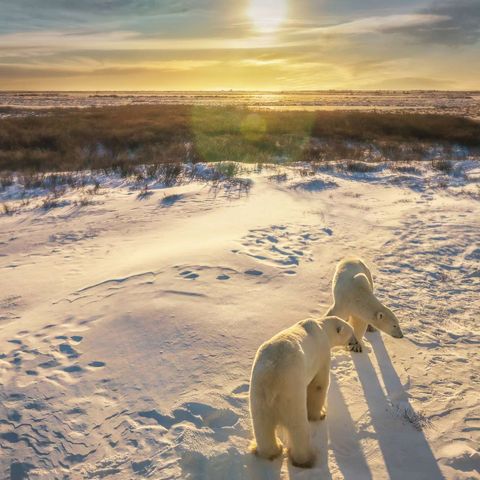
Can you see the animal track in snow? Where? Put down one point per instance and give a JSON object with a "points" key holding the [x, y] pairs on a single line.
{"points": [[205, 272], [44, 426], [282, 246], [72, 237], [55, 355], [199, 414]]}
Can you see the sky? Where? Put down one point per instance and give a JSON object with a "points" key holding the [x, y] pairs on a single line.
{"points": [[239, 44]]}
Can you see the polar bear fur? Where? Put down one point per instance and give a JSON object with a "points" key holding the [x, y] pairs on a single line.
{"points": [[355, 302], [289, 384]]}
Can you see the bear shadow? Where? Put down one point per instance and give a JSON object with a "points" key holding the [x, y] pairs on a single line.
{"points": [[337, 434], [402, 443], [232, 464], [343, 439], [320, 444]]}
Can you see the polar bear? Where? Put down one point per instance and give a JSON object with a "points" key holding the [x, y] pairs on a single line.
{"points": [[289, 384], [354, 301]]}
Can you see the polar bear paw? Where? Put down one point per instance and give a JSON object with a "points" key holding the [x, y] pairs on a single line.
{"points": [[355, 346], [304, 461], [315, 417], [270, 454]]}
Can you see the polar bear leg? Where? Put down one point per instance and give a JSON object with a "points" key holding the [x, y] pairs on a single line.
{"points": [[266, 444], [317, 396], [295, 420], [359, 329]]}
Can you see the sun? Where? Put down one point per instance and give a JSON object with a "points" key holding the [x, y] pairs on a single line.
{"points": [[267, 15]]}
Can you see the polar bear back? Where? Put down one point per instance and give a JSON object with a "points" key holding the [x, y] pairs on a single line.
{"points": [[343, 280], [300, 349]]}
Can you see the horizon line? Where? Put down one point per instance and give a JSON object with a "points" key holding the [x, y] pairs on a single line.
{"points": [[227, 90]]}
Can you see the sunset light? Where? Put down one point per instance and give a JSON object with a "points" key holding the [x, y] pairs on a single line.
{"points": [[268, 15], [200, 200], [249, 45]]}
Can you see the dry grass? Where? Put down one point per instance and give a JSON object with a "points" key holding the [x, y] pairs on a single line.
{"points": [[360, 167], [445, 166], [120, 138]]}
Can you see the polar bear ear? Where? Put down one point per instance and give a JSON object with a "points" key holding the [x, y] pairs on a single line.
{"points": [[361, 280]]}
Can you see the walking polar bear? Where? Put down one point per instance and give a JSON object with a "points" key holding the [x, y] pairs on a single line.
{"points": [[289, 385], [354, 301]]}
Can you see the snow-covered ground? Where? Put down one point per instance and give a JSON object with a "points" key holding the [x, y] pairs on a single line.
{"points": [[128, 326], [460, 103]]}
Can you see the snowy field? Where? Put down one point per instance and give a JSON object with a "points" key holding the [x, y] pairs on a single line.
{"points": [[128, 324], [441, 102]]}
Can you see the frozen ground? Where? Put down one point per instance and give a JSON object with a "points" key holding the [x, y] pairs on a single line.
{"points": [[442, 102], [128, 326]]}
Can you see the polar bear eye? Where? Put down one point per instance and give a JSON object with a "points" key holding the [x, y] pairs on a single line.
{"points": [[380, 315], [339, 329]]}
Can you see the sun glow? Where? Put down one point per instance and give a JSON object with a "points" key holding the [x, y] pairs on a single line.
{"points": [[267, 15]]}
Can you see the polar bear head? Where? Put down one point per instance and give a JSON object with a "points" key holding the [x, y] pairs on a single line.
{"points": [[386, 321], [338, 331], [367, 307]]}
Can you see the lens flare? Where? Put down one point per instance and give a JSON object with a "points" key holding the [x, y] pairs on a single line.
{"points": [[267, 15]]}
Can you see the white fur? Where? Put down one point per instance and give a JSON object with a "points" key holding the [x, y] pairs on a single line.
{"points": [[354, 301], [289, 384]]}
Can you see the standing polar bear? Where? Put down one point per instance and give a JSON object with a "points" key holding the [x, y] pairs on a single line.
{"points": [[354, 301], [289, 384]]}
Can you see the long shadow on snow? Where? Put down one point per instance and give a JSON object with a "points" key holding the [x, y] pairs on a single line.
{"points": [[404, 448], [337, 433], [232, 464], [344, 440]]}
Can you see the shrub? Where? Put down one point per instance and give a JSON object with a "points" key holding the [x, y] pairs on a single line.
{"points": [[7, 209], [50, 202], [169, 174], [404, 168], [360, 167], [6, 181], [445, 166], [227, 169]]}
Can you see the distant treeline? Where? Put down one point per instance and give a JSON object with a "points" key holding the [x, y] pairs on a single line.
{"points": [[122, 137]]}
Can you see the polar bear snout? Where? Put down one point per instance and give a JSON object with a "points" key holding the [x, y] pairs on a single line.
{"points": [[397, 332], [393, 330], [386, 321]]}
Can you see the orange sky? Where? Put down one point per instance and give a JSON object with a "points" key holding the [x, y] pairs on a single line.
{"points": [[249, 44]]}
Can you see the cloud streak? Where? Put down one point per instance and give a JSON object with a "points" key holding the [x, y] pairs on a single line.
{"points": [[461, 25], [188, 44], [377, 24]]}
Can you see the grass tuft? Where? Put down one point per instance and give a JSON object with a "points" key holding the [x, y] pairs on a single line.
{"points": [[445, 166], [360, 167]]}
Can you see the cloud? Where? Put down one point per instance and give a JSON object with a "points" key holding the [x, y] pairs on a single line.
{"points": [[413, 83], [370, 25], [91, 68], [106, 7], [206, 43], [459, 23], [383, 24], [445, 22], [32, 15], [56, 41]]}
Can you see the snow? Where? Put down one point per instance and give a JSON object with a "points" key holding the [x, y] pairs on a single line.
{"points": [[462, 103], [128, 325]]}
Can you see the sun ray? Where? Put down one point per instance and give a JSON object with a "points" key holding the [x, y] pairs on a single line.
{"points": [[267, 15]]}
